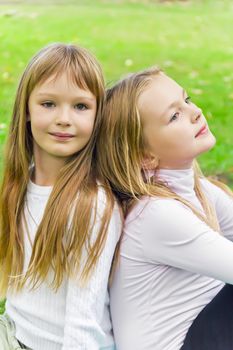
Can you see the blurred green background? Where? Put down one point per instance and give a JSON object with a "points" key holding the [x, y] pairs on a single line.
{"points": [[191, 40]]}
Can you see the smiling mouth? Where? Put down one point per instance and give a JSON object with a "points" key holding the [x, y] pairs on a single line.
{"points": [[202, 131], [61, 136]]}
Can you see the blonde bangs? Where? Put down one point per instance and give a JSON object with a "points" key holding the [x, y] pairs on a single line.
{"points": [[82, 68]]}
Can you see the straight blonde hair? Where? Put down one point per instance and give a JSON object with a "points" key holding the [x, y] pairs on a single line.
{"points": [[121, 155], [58, 243]]}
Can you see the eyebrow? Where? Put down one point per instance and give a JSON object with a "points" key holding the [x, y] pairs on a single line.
{"points": [[173, 104], [49, 94]]}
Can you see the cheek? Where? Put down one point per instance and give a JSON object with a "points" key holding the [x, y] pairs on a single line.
{"points": [[151, 137], [86, 126], [38, 125], [37, 119], [173, 142], [183, 143]]}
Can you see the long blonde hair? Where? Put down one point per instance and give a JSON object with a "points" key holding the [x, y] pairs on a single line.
{"points": [[77, 176], [122, 153]]}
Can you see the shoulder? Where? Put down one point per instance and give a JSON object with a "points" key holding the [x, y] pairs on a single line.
{"points": [[157, 208], [165, 220], [209, 187], [215, 193], [160, 213], [165, 229]]}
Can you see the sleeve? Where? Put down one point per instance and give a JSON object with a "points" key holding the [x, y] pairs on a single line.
{"points": [[224, 207], [174, 236], [85, 306]]}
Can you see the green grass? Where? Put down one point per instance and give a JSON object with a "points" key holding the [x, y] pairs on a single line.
{"points": [[2, 306], [191, 40]]}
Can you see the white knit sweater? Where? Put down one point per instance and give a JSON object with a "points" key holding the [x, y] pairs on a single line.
{"points": [[74, 317]]}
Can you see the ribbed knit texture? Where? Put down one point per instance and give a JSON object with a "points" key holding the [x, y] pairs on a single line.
{"points": [[73, 318]]}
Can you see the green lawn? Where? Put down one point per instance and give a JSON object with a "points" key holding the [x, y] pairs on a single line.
{"points": [[191, 40], [1, 307]]}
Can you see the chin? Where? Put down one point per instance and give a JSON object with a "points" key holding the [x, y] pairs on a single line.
{"points": [[209, 143], [212, 140]]}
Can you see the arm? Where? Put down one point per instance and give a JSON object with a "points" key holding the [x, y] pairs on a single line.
{"points": [[85, 305], [173, 235]]}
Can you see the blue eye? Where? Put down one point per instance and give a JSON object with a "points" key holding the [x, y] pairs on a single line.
{"points": [[81, 106], [174, 117], [188, 100], [48, 104]]}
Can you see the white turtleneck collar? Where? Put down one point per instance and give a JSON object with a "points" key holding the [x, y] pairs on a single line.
{"points": [[180, 181]]}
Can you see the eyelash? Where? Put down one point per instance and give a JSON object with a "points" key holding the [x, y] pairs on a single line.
{"points": [[49, 104], [176, 115], [188, 99], [83, 105]]}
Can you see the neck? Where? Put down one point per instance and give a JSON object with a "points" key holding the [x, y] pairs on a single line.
{"points": [[176, 166], [46, 174]]}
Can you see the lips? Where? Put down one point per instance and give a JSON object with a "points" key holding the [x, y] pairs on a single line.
{"points": [[202, 131], [61, 135]]}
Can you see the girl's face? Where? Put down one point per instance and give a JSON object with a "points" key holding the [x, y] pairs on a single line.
{"points": [[174, 129], [62, 117]]}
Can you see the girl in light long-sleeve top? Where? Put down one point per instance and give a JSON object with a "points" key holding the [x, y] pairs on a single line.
{"points": [[176, 252], [59, 224]]}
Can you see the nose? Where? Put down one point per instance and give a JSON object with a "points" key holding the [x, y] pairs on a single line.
{"points": [[63, 117], [196, 114]]}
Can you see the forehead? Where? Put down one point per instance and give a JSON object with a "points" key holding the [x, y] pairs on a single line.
{"points": [[159, 94], [63, 83]]}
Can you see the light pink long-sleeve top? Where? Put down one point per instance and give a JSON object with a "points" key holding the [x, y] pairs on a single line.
{"points": [[171, 265]]}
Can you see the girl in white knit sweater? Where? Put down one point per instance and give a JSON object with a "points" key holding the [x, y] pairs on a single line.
{"points": [[59, 224], [176, 251]]}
